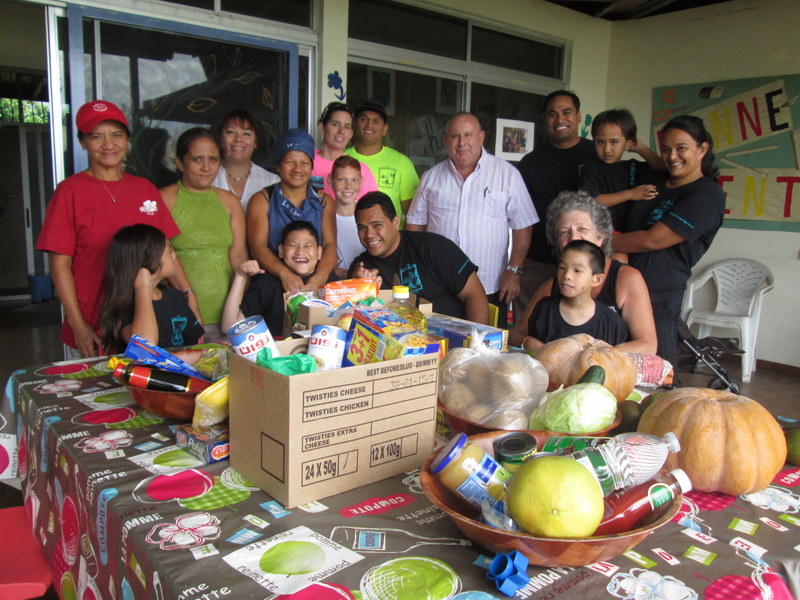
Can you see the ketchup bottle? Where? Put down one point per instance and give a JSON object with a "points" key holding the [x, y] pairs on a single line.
{"points": [[625, 508], [142, 376]]}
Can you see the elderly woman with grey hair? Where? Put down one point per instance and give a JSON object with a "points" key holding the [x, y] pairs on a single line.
{"points": [[577, 216]]}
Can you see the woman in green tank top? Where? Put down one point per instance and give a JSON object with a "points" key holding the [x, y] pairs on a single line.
{"points": [[212, 242]]}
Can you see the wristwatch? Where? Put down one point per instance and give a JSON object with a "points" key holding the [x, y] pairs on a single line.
{"points": [[515, 270]]}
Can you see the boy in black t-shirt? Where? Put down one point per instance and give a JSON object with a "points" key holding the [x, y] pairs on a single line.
{"points": [[611, 180], [300, 251], [579, 270]]}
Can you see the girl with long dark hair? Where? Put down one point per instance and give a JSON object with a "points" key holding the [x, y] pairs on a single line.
{"points": [[667, 236], [138, 299]]}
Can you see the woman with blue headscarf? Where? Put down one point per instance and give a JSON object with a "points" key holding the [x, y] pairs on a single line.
{"points": [[292, 199]]}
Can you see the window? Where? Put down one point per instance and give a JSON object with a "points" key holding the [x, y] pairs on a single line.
{"points": [[394, 24], [23, 98], [425, 66], [167, 83], [417, 106], [514, 52], [296, 12]]}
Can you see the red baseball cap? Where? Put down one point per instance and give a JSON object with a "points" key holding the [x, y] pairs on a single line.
{"points": [[97, 111]]}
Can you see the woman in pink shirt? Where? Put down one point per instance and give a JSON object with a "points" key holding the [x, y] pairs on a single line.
{"points": [[336, 128]]}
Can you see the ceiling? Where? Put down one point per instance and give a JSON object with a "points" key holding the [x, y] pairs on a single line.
{"points": [[623, 10]]}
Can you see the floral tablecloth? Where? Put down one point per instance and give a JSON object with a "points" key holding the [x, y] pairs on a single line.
{"points": [[124, 513]]}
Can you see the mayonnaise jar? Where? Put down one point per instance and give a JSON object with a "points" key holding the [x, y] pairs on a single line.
{"points": [[466, 469]]}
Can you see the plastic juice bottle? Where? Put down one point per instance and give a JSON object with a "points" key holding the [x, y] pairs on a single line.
{"points": [[627, 459], [151, 378], [625, 508], [466, 469], [401, 306], [569, 444]]}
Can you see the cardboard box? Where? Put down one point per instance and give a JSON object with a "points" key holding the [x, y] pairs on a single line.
{"points": [[457, 332], [306, 437], [315, 315]]}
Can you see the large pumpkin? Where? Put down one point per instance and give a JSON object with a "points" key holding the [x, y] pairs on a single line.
{"points": [[729, 443], [567, 359]]}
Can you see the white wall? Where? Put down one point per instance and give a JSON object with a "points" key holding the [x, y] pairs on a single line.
{"points": [[735, 40]]}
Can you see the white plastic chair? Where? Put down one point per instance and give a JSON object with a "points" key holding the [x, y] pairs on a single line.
{"points": [[741, 284]]}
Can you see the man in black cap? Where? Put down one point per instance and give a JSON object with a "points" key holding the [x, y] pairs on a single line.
{"points": [[394, 172]]}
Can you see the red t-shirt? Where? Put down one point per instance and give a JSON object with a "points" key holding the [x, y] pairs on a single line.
{"points": [[83, 216]]}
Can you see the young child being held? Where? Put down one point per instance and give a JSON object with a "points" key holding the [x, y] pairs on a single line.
{"points": [[574, 310], [345, 181], [138, 299], [611, 180], [299, 250]]}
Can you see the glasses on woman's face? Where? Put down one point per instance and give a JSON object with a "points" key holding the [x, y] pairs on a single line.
{"points": [[332, 108]]}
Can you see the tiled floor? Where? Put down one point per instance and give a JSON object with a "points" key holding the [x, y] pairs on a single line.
{"points": [[29, 335]]}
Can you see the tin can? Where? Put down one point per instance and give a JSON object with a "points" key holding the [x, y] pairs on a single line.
{"points": [[326, 345], [249, 336], [513, 449]]}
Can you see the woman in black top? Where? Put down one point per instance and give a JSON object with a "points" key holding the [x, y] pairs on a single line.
{"points": [[668, 235]]}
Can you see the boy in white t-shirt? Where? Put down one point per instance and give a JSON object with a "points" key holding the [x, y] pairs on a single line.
{"points": [[345, 180]]}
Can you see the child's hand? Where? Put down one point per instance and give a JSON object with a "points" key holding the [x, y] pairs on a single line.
{"points": [[292, 282], [644, 192], [249, 268], [638, 146], [144, 280]]}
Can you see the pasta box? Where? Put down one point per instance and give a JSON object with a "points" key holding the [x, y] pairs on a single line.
{"points": [[458, 332]]}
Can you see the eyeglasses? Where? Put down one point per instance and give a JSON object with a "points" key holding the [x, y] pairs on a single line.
{"points": [[332, 108]]}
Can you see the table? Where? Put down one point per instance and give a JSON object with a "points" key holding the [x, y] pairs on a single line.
{"points": [[123, 513]]}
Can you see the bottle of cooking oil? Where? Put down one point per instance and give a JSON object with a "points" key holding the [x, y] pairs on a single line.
{"points": [[401, 306]]}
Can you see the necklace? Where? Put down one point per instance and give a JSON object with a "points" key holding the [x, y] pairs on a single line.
{"points": [[231, 177], [108, 191]]}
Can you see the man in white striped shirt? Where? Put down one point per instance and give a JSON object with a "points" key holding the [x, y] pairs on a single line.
{"points": [[474, 199]]}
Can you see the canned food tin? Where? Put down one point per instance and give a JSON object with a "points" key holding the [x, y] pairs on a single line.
{"points": [[326, 345], [513, 449], [249, 336]]}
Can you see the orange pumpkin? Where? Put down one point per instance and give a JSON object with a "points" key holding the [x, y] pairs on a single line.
{"points": [[567, 359], [729, 443]]}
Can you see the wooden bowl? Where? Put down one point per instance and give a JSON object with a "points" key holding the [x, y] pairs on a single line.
{"points": [[178, 406], [461, 425], [540, 551]]}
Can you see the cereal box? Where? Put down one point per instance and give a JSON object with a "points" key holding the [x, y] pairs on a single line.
{"points": [[378, 334]]}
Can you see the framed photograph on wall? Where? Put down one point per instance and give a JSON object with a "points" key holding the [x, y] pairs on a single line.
{"points": [[380, 86], [513, 139]]}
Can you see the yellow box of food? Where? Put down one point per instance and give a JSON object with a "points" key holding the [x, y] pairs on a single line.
{"points": [[378, 334]]}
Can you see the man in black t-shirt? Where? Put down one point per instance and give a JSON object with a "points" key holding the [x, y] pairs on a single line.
{"points": [[551, 168], [429, 264]]}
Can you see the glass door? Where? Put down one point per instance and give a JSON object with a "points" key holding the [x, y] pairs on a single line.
{"points": [[168, 77]]}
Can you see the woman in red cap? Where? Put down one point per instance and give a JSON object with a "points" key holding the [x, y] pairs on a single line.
{"points": [[85, 212]]}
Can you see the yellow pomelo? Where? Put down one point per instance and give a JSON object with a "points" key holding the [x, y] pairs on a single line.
{"points": [[555, 496]]}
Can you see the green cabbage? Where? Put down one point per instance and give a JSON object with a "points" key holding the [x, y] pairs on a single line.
{"points": [[578, 409]]}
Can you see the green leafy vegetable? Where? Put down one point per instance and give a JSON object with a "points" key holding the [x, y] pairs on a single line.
{"points": [[578, 409]]}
